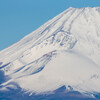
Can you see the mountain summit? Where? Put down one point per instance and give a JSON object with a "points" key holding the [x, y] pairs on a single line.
{"points": [[65, 51]]}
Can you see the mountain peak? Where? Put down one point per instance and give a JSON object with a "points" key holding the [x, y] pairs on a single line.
{"points": [[86, 8], [63, 51]]}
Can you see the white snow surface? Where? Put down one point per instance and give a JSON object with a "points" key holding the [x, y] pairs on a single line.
{"points": [[63, 51]]}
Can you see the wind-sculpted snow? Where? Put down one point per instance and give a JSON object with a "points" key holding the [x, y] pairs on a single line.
{"points": [[65, 51]]}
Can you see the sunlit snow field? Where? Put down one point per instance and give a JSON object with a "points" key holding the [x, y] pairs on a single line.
{"points": [[59, 60]]}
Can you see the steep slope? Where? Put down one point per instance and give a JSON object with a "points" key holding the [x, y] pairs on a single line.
{"points": [[64, 51]]}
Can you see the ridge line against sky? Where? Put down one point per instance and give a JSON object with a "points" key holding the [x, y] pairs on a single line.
{"points": [[20, 17]]}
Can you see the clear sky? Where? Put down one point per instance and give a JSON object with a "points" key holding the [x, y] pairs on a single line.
{"points": [[20, 17]]}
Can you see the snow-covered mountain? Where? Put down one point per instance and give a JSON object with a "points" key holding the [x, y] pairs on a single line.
{"points": [[65, 51]]}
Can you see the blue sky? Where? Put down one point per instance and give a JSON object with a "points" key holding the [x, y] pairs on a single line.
{"points": [[20, 17]]}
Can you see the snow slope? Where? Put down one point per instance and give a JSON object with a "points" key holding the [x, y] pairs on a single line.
{"points": [[63, 51]]}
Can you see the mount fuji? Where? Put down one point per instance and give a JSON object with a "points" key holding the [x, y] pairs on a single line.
{"points": [[62, 55]]}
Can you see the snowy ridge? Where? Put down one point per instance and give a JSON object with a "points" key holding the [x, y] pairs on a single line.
{"points": [[63, 51]]}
